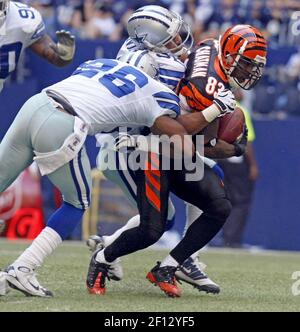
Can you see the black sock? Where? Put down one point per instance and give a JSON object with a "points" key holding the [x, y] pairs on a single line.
{"points": [[197, 236], [129, 241]]}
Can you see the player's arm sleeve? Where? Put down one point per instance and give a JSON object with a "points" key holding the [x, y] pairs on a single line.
{"points": [[35, 27], [128, 46]]}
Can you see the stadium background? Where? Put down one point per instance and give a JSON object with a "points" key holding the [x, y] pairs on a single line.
{"points": [[273, 222]]}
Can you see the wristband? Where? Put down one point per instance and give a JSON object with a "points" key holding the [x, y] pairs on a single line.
{"points": [[211, 112]]}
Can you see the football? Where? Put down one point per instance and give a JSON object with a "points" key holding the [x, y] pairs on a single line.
{"points": [[231, 126]]}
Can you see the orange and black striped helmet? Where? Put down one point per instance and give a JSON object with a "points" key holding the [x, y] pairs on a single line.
{"points": [[243, 55]]}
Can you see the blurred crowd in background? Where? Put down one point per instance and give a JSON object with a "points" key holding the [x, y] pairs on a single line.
{"points": [[94, 19], [277, 96]]}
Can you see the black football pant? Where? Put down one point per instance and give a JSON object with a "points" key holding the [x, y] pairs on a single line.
{"points": [[153, 186], [208, 195]]}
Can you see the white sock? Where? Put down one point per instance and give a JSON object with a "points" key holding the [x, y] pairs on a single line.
{"points": [[195, 255], [101, 258], [41, 247], [169, 261], [131, 223]]}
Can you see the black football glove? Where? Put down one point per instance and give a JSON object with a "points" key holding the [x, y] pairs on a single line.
{"points": [[240, 146]]}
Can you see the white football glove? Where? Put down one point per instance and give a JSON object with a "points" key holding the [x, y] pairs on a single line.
{"points": [[65, 45], [225, 101], [125, 141], [137, 142]]}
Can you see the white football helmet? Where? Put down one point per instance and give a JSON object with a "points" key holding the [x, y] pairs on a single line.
{"points": [[143, 60], [4, 5], [160, 30]]}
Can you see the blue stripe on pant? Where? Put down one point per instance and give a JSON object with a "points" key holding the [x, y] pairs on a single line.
{"points": [[80, 181], [87, 188], [124, 179]]}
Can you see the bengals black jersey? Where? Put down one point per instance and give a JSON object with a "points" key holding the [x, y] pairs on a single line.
{"points": [[204, 76]]}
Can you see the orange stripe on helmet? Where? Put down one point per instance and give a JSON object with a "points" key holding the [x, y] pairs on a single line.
{"points": [[234, 38]]}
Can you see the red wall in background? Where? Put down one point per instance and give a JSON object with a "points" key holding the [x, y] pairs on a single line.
{"points": [[21, 207]]}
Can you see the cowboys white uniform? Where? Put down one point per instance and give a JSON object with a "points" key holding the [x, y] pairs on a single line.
{"points": [[103, 94], [20, 27], [128, 97]]}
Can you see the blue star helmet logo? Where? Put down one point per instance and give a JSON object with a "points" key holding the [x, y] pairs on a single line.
{"points": [[140, 39]]}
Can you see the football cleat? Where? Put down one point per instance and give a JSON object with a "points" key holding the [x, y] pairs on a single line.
{"points": [[4, 287], [96, 242], [23, 279], [191, 273], [97, 274], [164, 278]]}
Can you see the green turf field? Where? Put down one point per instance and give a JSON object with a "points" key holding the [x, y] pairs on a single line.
{"points": [[249, 282]]}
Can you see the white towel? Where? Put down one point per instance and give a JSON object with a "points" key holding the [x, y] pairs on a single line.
{"points": [[49, 162]]}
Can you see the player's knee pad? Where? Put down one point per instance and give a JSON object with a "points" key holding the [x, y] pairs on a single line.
{"points": [[219, 209]]}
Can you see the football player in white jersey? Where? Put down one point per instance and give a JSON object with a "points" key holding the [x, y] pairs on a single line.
{"points": [[22, 27], [51, 129], [162, 34]]}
